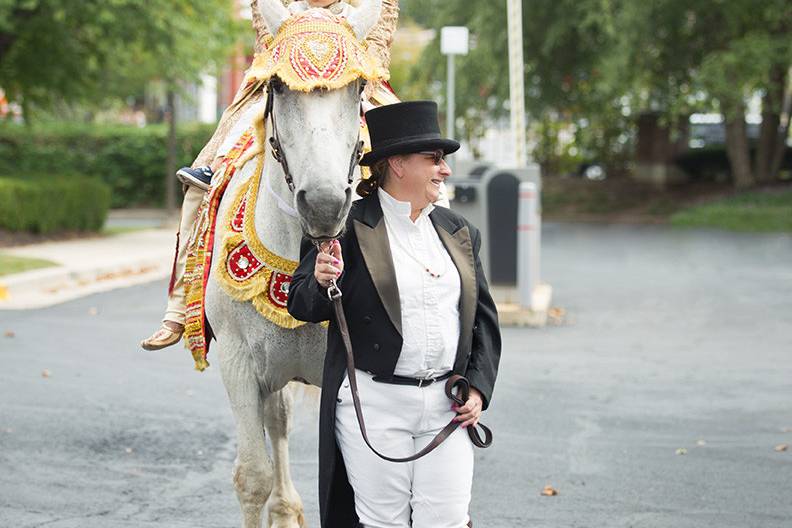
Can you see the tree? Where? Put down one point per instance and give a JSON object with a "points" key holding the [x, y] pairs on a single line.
{"points": [[715, 54], [94, 50], [604, 65], [563, 47]]}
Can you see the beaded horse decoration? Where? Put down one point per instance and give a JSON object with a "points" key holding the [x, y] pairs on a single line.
{"points": [[312, 50], [315, 50]]}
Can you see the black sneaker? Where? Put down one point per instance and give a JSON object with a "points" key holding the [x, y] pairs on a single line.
{"points": [[199, 177]]}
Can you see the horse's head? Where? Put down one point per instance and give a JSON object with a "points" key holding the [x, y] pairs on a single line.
{"points": [[316, 67]]}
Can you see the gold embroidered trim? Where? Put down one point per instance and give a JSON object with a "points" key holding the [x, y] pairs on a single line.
{"points": [[312, 50]]}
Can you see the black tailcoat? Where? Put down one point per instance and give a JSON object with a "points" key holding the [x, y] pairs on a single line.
{"points": [[372, 308]]}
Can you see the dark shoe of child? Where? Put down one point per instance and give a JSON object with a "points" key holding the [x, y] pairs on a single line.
{"points": [[199, 177]]}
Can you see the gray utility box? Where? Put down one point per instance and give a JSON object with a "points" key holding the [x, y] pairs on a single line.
{"points": [[488, 197]]}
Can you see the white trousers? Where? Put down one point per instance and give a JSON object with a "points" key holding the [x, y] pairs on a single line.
{"points": [[432, 492]]}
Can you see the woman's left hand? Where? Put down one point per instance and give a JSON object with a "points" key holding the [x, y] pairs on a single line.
{"points": [[470, 413]]}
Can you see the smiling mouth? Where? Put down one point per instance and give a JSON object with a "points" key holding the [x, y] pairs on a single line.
{"points": [[437, 182]]}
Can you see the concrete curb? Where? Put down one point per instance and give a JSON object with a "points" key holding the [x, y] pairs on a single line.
{"points": [[47, 287], [510, 313], [88, 267]]}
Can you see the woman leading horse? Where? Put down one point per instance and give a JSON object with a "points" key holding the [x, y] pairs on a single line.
{"points": [[419, 311]]}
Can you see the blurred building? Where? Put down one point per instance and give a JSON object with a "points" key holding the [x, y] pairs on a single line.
{"points": [[204, 102]]}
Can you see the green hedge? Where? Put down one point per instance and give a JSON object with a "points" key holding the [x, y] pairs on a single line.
{"points": [[130, 160], [46, 205]]}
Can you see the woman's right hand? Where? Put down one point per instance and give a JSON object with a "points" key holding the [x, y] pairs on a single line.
{"points": [[329, 264]]}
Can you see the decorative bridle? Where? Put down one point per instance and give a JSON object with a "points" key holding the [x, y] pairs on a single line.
{"points": [[275, 85]]}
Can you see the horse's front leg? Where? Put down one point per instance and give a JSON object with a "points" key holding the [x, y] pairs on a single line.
{"points": [[253, 468], [285, 505]]}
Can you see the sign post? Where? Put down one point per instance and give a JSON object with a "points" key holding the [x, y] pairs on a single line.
{"points": [[517, 81], [454, 40]]}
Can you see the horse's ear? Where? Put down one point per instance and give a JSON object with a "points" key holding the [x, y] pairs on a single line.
{"points": [[364, 17], [274, 13]]}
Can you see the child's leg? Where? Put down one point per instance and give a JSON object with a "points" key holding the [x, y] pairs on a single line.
{"points": [[189, 213]]}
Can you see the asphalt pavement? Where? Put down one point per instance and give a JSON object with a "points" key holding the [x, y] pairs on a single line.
{"points": [[658, 402]]}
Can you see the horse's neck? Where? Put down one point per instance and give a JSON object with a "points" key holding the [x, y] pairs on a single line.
{"points": [[278, 230]]}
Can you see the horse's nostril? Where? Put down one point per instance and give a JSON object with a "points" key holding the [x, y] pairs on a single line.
{"points": [[301, 200]]}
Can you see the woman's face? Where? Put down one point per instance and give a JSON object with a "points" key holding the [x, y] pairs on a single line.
{"points": [[417, 177]]}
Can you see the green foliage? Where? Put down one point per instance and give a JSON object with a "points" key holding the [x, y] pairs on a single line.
{"points": [[594, 65], [130, 160], [563, 47], [93, 50], [51, 204], [758, 211]]}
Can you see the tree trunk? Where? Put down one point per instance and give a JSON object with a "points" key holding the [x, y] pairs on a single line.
{"points": [[170, 160], [786, 109], [737, 149], [771, 121]]}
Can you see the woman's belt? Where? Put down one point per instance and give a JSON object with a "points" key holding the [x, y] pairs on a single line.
{"points": [[406, 380]]}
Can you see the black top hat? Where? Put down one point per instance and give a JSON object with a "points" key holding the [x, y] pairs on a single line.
{"points": [[405, 128]]}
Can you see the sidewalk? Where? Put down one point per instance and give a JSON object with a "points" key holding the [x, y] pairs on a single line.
{"points": [[88, 266], [93, 265]]}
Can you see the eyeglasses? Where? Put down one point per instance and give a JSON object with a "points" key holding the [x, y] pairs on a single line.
{"points": [[436, 155]]}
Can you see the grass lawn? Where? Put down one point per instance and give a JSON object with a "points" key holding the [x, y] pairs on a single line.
{"points": [[10, 264], [754, 211]]}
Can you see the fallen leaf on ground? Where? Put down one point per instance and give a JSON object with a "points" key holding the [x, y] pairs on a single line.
{"points": [[556, 315], [549, 491], [701, 443], [128, 450], [681, 451], [45, 373], [9, 333], [781, 447], [92, 311]]}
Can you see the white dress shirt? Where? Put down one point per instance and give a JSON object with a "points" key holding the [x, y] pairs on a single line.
{"points": [[429, 305]]}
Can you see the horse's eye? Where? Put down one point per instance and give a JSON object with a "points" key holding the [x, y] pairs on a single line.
{"points": [[277, 85]]}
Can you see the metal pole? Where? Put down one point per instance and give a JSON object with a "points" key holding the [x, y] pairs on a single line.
{"points": [[529, 231], [451, 109], [517, 80]]}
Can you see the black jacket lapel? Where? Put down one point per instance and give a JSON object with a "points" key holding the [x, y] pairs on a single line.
{"points": [[372, 237]]}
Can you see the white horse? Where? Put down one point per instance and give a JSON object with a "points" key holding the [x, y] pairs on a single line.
{"points": [[318, 131]]}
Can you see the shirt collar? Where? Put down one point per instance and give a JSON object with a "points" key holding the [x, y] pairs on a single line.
{"points": [[395, 208]]}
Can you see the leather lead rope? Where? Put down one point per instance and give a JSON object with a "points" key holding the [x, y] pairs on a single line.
{"points": [[454, 382]]}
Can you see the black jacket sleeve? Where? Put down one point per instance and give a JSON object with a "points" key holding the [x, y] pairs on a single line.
{"points": [[307, 300], [486, 348]]}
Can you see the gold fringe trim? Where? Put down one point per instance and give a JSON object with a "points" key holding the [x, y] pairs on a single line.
{"points": [[255, 288], [302, 34], [199, 253]]}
